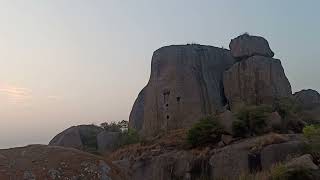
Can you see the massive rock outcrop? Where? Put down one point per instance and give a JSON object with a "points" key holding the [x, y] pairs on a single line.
{"points": [[185, 85], [257, 78], [246, 46]]}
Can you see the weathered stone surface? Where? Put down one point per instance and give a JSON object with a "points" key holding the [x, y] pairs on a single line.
{"points": [[226, 119], [280, 152], [166, 166], [305, 161], [230, 161], [137, 113], [256, 80], [245, 46], [76, 136], [227, 139], [107, 141], [185, 85], [274, 121], [307, 99]]}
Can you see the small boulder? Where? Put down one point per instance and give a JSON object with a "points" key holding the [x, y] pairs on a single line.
{"points": [[274, 121], [227, 139], [305, 161], [245, 46]]}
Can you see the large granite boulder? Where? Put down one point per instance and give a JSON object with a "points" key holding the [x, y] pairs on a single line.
{"points": [[254, 81], [108, 141], [307, 99], [185, 85], [245, 46], [83, 137]]}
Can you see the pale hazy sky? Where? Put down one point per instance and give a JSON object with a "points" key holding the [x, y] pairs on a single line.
{"points": [[69, 62]]}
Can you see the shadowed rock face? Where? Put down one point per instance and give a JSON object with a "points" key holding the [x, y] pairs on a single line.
{"points": [[185, 85], [256, 80], [77, 137], [246, 46]]}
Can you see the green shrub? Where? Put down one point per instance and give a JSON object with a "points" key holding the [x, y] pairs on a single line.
{"points": [[130, 136], [207, 130], [253, 118]]}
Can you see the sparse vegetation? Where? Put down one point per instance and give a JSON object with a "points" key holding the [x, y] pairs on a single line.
{"points": [[129, 136], [252, 120], [312, 133], [207, 130], [115, 126]]}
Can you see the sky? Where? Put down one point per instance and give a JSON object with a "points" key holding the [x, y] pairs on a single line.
{"points": [[65, 63]]}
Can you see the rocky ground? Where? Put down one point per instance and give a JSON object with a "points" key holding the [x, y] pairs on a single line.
{"points": [[40, 162]]}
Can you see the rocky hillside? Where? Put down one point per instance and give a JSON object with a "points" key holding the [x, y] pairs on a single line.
{"points": [[206, 113]]}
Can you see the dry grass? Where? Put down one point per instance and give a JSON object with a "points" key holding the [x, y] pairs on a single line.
{"points": [[272, 138]]}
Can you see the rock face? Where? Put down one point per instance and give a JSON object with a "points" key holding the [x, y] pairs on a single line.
{"points": [[245, 46], [307, 99], [256, 80], [79, 137], [137, 112], [52, 162], [107, 141], [185, 85]]}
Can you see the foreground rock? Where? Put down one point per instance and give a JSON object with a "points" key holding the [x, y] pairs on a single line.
{"points": [[50, 162], [82, 137], [245, 46], [160, 161], [256, 80], [185, 85]]}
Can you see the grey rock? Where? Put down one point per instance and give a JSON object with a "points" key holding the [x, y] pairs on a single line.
{"points": [[226, 119], [76, 136], [104, 169], [108, 141], [307, 99], [305, 161], [185, 85], [137, 113], [256, 80], [246, 45], [280, 152], [227, 139], [54, 174], [274, 121], [28, 175]]}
